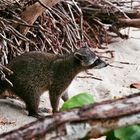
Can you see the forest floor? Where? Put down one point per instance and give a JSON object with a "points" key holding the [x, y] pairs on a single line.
{"points": [[114, 82]]}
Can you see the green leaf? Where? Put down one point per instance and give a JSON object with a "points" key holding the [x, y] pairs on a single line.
{"points": [[110, 136], [128, 133], [78, 101]]}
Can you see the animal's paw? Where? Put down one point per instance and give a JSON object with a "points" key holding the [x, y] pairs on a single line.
{"points": [[44, 110]]}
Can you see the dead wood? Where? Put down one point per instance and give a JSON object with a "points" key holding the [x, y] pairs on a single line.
{"points": [[133, 13], [91, 121], [32, 12], [129, 23]]}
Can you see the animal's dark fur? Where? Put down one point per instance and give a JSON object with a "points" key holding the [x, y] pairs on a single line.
{"points": [[36, 72]]}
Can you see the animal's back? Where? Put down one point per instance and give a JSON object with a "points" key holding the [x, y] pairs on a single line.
{"points": [[31, 69]]}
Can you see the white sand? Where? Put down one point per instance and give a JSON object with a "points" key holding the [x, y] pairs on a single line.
{"points": [[116, 82]]}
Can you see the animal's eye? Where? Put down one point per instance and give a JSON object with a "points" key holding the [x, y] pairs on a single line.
{"points": [[80, 56]]}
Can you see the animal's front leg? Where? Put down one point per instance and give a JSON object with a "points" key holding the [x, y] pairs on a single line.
{"points": [[54, 99]]}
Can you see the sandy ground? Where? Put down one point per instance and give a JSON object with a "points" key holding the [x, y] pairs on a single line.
{"points": [[115, 82]]}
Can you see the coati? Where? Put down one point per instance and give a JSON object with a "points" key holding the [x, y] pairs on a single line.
{"points": [[36, 72]]}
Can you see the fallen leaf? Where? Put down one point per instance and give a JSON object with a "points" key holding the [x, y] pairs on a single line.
{"points": [[4, 121], [135, 85]]}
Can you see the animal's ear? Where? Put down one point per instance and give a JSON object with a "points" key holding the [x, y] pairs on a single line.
{"points": [[85, 45], [79, 56]]}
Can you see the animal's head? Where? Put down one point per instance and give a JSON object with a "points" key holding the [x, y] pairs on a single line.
{"points": [[88, 59]]}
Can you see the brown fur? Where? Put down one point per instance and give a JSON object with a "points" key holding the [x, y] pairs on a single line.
{"points": [[36, 72]]}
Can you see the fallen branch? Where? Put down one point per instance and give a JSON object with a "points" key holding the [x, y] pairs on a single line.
{"points": [[91, 77], [33, 12], [129, 23], [91, 121]]}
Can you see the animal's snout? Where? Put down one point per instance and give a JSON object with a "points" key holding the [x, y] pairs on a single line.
{"points": [[99, 63]]}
